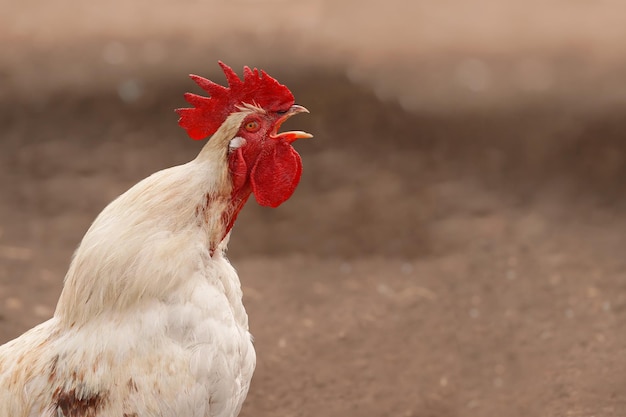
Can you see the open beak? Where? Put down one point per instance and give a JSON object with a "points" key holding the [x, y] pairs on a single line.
{"points": [[292, 135]]}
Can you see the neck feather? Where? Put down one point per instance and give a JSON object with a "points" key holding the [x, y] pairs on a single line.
{"points": [[151, 239]]}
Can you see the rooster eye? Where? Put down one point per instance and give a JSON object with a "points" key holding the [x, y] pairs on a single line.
{"points": [[252, 126]]}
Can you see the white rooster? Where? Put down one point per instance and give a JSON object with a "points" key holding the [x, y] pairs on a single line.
{"points": [[150, 321]]}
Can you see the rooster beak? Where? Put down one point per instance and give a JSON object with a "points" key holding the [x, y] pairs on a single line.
{"points": [[295, 109], [291, 136]]}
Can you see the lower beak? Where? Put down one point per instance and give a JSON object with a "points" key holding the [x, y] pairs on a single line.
{"points": [[292, 135]]}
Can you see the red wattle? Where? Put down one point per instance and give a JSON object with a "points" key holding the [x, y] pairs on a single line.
{"points": [[276, 174], [238, 169]]}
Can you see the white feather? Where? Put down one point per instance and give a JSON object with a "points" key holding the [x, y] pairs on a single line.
{"points": [[150, 321]]}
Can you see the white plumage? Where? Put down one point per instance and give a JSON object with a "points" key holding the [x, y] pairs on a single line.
{"points": [[150, 321]]}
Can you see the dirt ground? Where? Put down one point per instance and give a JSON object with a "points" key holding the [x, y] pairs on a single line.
{"points": [[456, 254]]}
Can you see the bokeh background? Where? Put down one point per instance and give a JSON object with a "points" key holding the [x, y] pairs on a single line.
{"points": [[456, 246]]}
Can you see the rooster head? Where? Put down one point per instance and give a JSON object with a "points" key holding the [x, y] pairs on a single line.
{"points": [[261, 159]]}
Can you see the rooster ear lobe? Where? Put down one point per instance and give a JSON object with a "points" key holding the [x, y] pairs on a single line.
{"points": [[276, 175]]}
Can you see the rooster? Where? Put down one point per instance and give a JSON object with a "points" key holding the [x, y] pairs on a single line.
{"points": [[150, 321]]}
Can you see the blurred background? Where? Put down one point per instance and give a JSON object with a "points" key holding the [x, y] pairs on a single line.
{"points": [[455, 247]]}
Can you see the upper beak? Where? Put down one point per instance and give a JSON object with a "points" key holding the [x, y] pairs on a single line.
{"points": [[296, 108], [292, 135]]}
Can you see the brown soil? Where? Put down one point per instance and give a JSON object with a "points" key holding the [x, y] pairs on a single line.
{"points": [[466, 261]]}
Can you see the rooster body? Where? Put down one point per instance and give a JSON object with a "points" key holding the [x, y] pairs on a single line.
{"points": [[150, 321]]}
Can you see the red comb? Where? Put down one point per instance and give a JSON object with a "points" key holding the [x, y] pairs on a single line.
{"points": [[209, 113]]}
